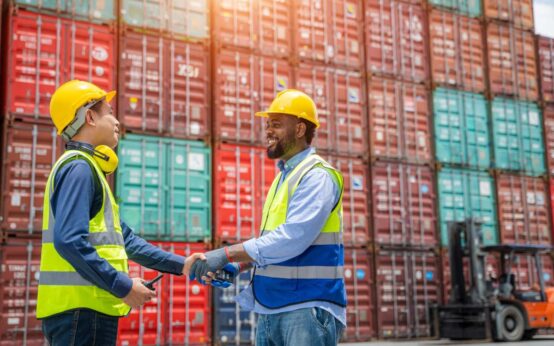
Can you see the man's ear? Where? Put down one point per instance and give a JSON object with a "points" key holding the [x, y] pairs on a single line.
{"points": [[89, 118], [300, 129]]}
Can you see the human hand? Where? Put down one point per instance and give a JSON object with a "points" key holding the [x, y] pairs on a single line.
{"points": [[214, 260], [139, 294], [189, 261]]}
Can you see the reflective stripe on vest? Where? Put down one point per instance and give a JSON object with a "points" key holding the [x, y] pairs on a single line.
{"points": [[61, 288], [317, 273]]}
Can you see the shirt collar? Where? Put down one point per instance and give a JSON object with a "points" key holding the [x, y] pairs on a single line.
{"points": [[75, 145], [295, 160]]}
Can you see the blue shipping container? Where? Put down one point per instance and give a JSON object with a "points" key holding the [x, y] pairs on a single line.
{"points": [[165, 188], [232, 325], [461, 128], [466, 193], [470, 8], [95, 10], [518, 139]]}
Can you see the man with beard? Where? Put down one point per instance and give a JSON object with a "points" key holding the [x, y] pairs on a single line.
{"points": [[298, 286]]}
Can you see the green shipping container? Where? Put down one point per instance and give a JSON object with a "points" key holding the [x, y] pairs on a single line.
{"points": [[100, 10], [470, 8], [518, 139], [461, 128], [165, 188], [185, 18], [467, 193]]}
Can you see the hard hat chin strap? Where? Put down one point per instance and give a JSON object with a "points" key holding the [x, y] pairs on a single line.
{"points": [[80, 118]]}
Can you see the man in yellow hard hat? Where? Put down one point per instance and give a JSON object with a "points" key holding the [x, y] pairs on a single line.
{"points": [[298, 286], [84, 286]]}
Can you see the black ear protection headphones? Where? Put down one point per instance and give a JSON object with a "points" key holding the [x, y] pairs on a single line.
{"points": [[104, 156]]}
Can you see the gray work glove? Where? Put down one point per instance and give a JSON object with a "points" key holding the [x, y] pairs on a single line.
{"points": [[215, 260]]}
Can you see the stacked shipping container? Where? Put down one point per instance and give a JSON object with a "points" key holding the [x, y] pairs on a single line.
{"points": [[431, 111]]}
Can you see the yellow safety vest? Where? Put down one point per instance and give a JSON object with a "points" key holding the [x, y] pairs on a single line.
{"points": [[317, 273], [61, 288]]}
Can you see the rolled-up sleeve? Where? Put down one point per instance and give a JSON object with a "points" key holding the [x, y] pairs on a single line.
{"points": [[309, 208]]}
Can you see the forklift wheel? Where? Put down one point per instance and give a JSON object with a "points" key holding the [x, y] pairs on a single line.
{"points": [[511, 325]]}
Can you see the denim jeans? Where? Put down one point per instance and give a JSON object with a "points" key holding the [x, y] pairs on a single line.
{"points": [[79, 328], [303, 327]]}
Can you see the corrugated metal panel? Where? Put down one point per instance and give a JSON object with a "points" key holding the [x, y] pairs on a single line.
{"points": [[329, 31], [470, 8], [28, 156], [358, 278], [395, 39], [517, 133], [399, 125], [20, 267], [232, 325], [466, 193], [45, 51], [546, 67], [354, 199], [549, 136], [262, 26], [403, 198], [179, 315], [187, 19], [101, 10], [517, 12], [407, 286], [457, 53], [164, 86], [165, 188], [523, 211], [245, 84], [512, 62], [242, 178], [461, 128]]}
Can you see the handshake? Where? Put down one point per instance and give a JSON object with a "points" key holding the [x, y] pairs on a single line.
{"points": [[212, 268]]}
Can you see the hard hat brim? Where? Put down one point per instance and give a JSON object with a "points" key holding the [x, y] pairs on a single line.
{"points": [[266, 115], [262, 114], [110, 95]]}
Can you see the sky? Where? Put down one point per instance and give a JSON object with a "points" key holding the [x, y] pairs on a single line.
{"points": [[544, 17]]}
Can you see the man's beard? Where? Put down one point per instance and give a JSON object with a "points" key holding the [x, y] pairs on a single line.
{"points": [[277, 151]]}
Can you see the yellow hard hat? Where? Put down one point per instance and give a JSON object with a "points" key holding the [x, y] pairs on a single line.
{"points": [[70, 97], [293, 102]]}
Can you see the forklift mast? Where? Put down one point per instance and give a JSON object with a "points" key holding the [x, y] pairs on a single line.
{"points": [[465, 240]]}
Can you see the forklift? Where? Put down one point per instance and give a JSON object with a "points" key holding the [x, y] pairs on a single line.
{"points": [[487, 307]]}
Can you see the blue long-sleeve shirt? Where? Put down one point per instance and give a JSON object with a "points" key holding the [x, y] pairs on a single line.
{"points": [[308, 210], [77, 198]]}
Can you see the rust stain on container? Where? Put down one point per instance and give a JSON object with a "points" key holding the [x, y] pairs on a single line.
{"points": [[512, 62], [457, 53], [395, 40], [517, 12], [523, 210], [399, 121], [548, 114], [403, 198], [546, 69]]}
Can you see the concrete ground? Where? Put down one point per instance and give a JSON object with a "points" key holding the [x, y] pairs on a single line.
{"points": [[537, 341]]}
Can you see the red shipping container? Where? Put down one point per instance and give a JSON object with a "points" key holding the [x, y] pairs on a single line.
{"points": [[245, 84], [546, 67], [180, 314], [19, 273], [46, 51], [338, 97], [243, 176], [164, 86], [261, 26], [354, 200], [329, 31], [358, 278], [517, 12], [399, 121], [523, 210], [30, 151], [396, 39], [457, 53], [512, 62], [407, 285], [403, 205]]}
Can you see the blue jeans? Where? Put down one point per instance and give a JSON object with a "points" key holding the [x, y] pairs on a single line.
{"points": [[79, 328], [303, 327]]}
